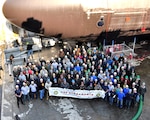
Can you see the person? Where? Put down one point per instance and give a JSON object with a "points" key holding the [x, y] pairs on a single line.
{"points": [[126, 89], [41, 87], [82, 86], [48, 84], [10, 65], [43, 71], [112, 95], [54, 65], [64, 84], [73, 85], [97, 85], [129, 97], [106, 89], [69, 78], [120, 98], [90, 86], [94, 77], [16, 43], [135, 98], [121, 58], [142, 90], [77, 68], [22, 77], [18, 95], [66, 60], [29, 50], [42, 61], [25, 92], [110, 86], [55, 83], [45, 77], [61, 54], [33, 88], [11, 59], [15, 74]]}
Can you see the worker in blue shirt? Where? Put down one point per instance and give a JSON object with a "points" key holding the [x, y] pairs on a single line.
{"points": [[120, 95]]}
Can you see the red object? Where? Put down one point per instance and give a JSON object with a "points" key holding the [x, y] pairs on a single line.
{"points": [[130, 56], [24, 72], [30, 72], [127, 19], [143, 29], [119, 47]]}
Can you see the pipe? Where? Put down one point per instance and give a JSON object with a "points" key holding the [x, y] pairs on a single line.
{"points": [[137, 115]]}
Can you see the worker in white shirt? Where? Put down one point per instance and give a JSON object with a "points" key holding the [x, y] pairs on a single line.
{"points": [[33, 88], [48, 84], [25, 92]]}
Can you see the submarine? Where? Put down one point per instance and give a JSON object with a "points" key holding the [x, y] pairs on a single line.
{"points": [[81, 20]]}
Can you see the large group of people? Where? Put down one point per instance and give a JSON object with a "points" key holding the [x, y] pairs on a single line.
{"points": [[84, 68]]}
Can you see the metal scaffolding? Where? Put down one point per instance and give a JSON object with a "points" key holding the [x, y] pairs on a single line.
{"points": [[117, 49]]}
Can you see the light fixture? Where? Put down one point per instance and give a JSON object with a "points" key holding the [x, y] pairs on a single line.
{"points": [[100, 23]]}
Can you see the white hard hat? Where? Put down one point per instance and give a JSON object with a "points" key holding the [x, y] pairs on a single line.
{"points": [[17, 81], [24, 83], [32, 82], [143, 83], [41, 79], [133, 83], [134, 89]]}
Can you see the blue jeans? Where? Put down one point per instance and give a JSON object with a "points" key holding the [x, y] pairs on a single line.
{"points": [[128, 103], [111, 100], [42, 92], [54, 69], [15, 79], [30, 52], [120, 103], [26, 97], [106, 96]]}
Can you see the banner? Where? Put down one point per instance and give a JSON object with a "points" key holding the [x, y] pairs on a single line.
{"points": [[81, 94]]}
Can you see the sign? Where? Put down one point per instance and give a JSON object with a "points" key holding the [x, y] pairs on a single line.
{"points": [[81, 94]]}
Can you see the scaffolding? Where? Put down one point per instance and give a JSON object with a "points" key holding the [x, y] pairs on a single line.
{"points": [[115, 50]]}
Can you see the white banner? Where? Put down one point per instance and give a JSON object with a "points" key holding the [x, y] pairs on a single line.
{"points": [[81, 94]]}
